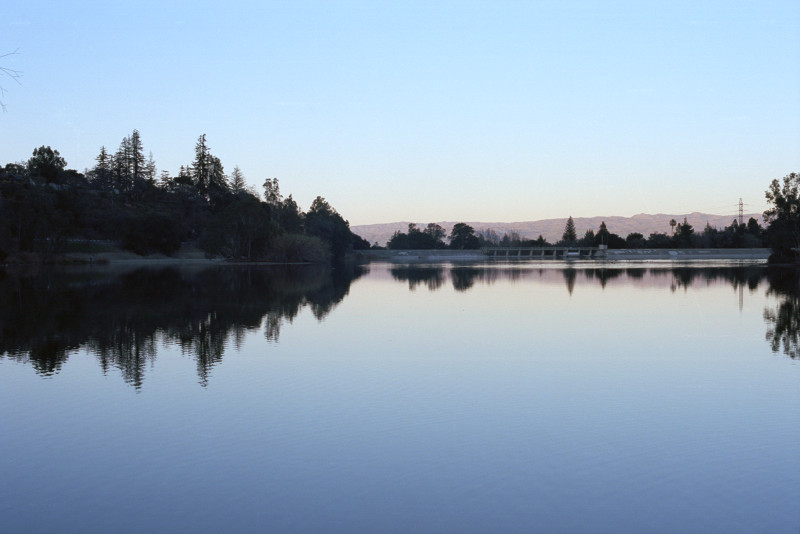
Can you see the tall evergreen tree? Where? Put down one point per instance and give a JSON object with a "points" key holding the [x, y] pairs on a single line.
{"points": [[103, 160], [101, 172], [602, 234], [149, 172], [238, 184], [122, 167], [200, 165], [136, 155], [570, 236]]}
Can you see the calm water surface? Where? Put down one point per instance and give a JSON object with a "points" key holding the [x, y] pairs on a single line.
{"points": [[400, 398]]}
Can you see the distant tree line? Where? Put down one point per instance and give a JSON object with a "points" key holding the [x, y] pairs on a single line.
{"points": [[462, 236], [49, 209], [683, 235]]}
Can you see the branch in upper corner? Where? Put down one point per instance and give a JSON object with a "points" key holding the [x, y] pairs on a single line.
{"points": [[11, 73]]}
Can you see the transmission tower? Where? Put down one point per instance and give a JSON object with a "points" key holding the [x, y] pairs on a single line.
{"points": [[741, 211]]}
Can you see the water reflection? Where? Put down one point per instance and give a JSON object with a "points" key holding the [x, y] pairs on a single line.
{"points": [[123, 318], [783, 320], [432, 277], [464, 277]]}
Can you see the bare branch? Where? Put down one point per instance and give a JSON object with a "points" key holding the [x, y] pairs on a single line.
{"points": [[11, 73]]}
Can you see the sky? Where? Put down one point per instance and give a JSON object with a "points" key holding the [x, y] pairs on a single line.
{"points": [[492, 111]]}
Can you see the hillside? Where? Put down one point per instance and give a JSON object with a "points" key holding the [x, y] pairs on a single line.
{"points": [[552, 229]]}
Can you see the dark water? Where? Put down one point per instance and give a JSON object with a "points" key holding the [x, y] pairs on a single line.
{"points": [[399, 398]]}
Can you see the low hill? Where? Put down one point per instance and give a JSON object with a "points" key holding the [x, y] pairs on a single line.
{"points": [[552, 229]]}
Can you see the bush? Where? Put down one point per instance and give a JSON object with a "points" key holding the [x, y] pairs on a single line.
{"points": [[146, 234], [299, 248]]}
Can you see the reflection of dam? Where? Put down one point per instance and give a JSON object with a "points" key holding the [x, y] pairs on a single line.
{"points": [[546, 253]]}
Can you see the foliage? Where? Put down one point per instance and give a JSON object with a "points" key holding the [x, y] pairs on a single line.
{"points": [[429, 238], [570, 237], [242, 230], [298, 248], [46, 208], [237, 181], [147, 233], [462, 236], [659, 240], [635, 240], [324, 222], [683, 235], [46, 163], [783, 217], [291, 217], [272, 192]]}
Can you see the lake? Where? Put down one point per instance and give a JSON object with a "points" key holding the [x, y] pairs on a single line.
{"points": [[487, 397]]}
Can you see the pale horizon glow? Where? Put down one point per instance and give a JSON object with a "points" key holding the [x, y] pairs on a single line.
{"points": [[425, 111]]}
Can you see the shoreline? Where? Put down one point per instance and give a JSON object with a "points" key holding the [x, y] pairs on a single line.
{"points": [[189, 255]]}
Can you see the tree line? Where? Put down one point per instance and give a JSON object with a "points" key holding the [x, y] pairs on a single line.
{"points": [[462, 236], [683, 235], [49, 209]]}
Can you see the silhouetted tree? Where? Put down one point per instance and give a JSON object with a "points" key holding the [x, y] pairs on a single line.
{"points": [[462, 236], [417, 239], [101, 174], [783, 217], [570, 237], [684, 234], [588, 239], [272, 191], [136, 156], [324, 222], [242, 230], [436, 233], [291, 217], [659, 240], [238, 183], [46, 163], [635, 240]]}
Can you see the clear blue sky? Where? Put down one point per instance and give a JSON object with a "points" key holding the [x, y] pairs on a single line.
{"points": [[430, 110]]}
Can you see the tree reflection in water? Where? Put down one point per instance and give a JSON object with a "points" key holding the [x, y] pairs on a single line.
{"points": [[123, 318], [783, 321], [432, 277]]}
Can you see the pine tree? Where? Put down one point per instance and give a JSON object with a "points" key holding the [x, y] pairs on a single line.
{"points": [[136, 155], [121, 165], [149, 173], [101, 173], [570, 236], [103, 160], [200, 166], [238, 183]]}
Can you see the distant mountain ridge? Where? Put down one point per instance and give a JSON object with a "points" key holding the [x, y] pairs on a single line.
{"points": [[553, 229]]}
